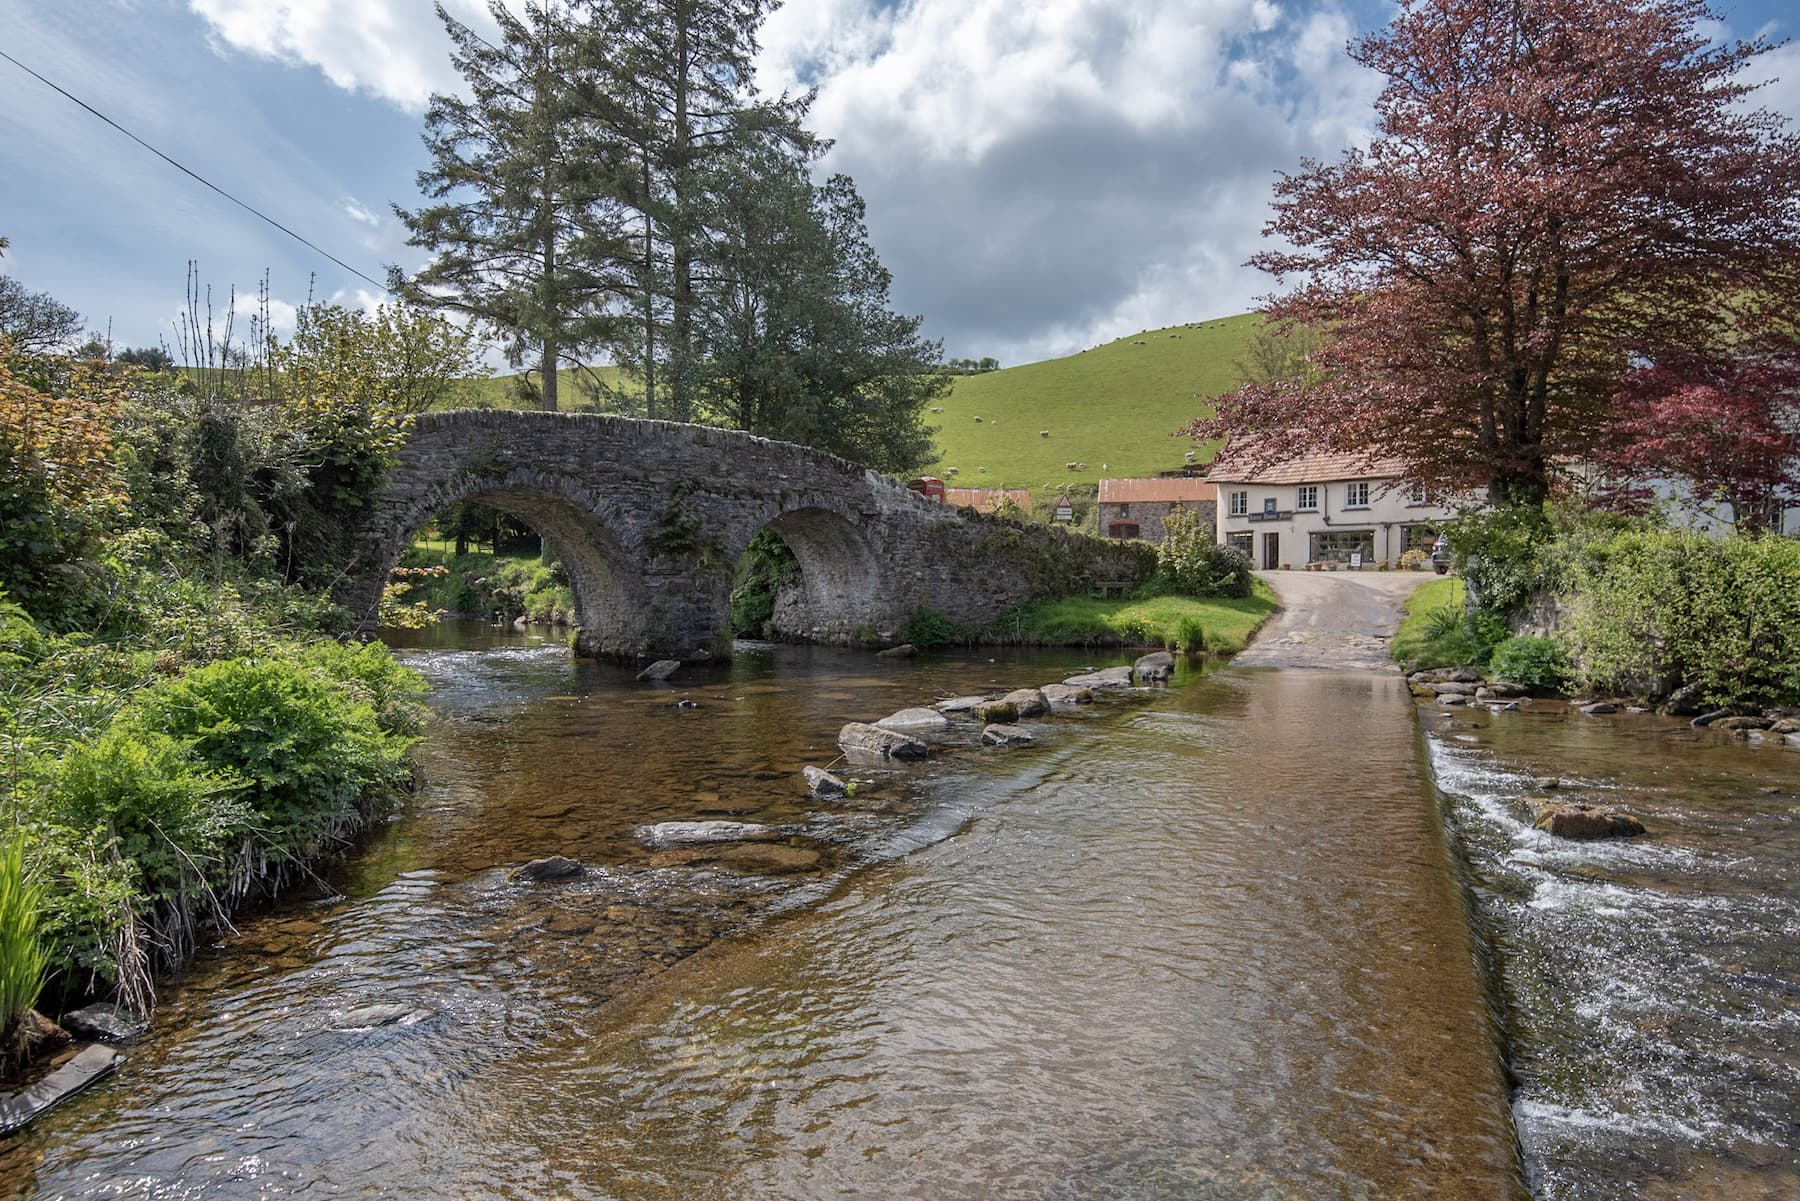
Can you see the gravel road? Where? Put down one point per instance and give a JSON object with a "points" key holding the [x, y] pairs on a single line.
{"points": [[1333, 620]]}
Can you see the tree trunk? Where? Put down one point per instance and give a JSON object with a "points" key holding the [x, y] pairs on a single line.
{"points": [[649, 297], [681, 328]]}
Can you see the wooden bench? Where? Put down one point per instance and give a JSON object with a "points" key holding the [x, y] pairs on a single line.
{"points": [[1106, 588]]}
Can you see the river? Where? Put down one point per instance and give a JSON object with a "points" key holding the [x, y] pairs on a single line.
{"points": [[1206, 942]]}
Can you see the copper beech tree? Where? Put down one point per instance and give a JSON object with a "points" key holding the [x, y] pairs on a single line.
{"points": [[1559, 195]]}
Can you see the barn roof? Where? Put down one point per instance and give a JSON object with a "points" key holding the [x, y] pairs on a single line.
{"points": [[1158, 488]]}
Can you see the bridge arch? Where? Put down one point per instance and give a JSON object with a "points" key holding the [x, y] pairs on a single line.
{"points": [[610, 601], [843, 589]]}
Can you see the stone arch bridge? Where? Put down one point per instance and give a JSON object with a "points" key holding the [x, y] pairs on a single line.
{"points": [[650, 519]]}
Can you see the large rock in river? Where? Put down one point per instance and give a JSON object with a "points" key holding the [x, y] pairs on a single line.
{"points": [[662, 669], [1106, 677], [914, 721], [822, 783], [1000, 734], [1028, 701], [1568, 819], [961, 704], [1061, 696], [1154, 667], [905, 650], [687, 834], [104, 1022], [861, 738], [553, 867], [1003, 711]]}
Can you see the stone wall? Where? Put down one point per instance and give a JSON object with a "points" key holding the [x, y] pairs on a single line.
{"points": [[1149, 516], [651, 518]]}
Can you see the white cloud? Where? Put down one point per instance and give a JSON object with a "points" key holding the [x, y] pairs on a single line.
{"points": [[358, 212], [394, 49]]}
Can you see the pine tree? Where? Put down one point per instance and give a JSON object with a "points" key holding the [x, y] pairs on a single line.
{"points": [[526, 227]]}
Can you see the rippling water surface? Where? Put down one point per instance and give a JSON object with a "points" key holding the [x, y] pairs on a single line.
{"points": [[1198, 943], [1652, 985]]}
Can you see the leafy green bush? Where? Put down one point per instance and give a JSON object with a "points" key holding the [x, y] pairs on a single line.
{"points": [[1192, 563], [1498, 551], [768, 566], [307, 752], [1538, 662], [1651, 610], [1189, 636], [927, 628]]}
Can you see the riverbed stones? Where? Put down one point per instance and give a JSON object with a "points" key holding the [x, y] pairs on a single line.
{"points": [[759, 858], [1685, 701], [371, 1017], [1030, 702], [1454, 688], [1500, 690], [1708, 718], [90, 1064], [1547, 784], [1599, 708], [105, 1022], [1154, 667], [1452, 699], [997, 711], [1001, 734], [905, 650], [547, 870], [961, 704], [681, 834], [662, 669], [914, 721], [1742, 723], [822, 783], [1061, 696], [1105, 677], [861, 738], [1446, 675], [1570, 819]]}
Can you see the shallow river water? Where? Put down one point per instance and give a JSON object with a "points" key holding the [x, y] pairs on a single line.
{"points": [[1204, 942]]}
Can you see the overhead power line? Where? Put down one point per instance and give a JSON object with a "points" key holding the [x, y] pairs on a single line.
{"points": [[249, 208]]}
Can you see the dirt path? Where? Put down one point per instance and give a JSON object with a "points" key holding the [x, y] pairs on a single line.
{"points": [[1333, 620]]}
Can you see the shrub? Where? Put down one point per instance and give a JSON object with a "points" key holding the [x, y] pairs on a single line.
{"points": [[1654, 609], [927, 628], [768, 566], [1189, 636], [1191, 562], [1538, 662]]}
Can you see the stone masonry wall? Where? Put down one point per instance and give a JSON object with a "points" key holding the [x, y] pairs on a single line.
{"points": [[651, 518]]}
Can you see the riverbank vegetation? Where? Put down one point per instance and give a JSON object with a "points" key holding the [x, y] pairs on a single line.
{"points": [[180, 731], [1630, 606]]}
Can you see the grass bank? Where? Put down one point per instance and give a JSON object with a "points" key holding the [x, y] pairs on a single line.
{"points": [[482, 584], [1216, 625], [1430, 634]]}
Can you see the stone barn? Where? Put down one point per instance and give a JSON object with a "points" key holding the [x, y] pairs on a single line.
{"points": [[1137, 508]]}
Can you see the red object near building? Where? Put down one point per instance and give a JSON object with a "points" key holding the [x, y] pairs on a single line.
{"points": [[928, 485]]}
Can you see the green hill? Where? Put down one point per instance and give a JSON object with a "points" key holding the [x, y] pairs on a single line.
{"points": [[1112, 408]]}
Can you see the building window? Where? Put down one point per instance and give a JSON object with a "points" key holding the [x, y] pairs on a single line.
{"points": [[1306, 498], [1245, 542], [1124, 511], [1240, 504], [1418, 494], [1336, 546], [1122, 529], [1356, 495]]}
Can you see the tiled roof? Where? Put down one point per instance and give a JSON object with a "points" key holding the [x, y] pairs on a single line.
{"points": [[1305, 469], [1169, 488], [985, 499]]}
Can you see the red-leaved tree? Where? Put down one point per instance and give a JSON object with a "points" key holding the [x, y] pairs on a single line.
{"points": [[1558, 192], [1728, 431]]}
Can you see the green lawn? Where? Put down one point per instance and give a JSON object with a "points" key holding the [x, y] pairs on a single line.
{"points": [[1225, 625], [1113, 407]]}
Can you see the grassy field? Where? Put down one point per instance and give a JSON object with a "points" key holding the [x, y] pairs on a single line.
{"points": [[1112, 407], [502, 391], [1223, 626]]}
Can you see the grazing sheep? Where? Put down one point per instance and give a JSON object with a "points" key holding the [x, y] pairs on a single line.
{"points": [[1068, 466], [1043, 433], [1188, 457], [978, 421], [1081, 466], [1138, 343], [949, 471], [937, 408]]}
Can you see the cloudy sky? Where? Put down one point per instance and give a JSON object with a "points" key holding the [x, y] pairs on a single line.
{"points": [[1041, 175]]}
